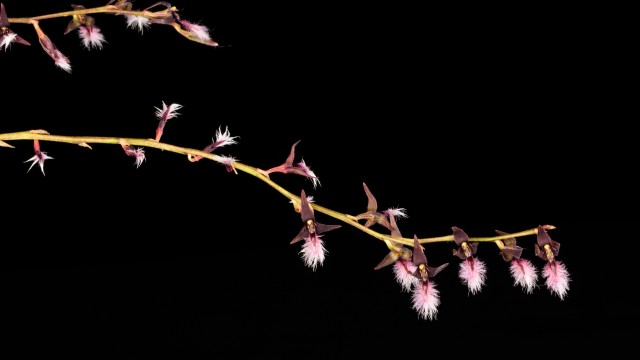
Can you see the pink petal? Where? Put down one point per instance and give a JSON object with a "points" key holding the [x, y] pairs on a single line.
{"points": [[199, 31], [397, 212], [524, 274], [426, 300], [62, 61], [313, 251], [404, 274], [140, 22], [138, 153], [6, 40], [310, 174], [473, 274], [91, 37], [224, 138], [557, 278]]}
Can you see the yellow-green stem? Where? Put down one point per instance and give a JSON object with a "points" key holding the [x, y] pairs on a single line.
{"points": [[41, 135], [109, 9]]}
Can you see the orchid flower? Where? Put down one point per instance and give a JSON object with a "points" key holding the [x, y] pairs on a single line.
{"points": [[426, 297], [313, 251], [522, 270], [472, 270], [39, 158], [555, 272]]}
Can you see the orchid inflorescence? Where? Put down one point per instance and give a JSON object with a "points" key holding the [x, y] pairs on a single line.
{"points": [[162, 13], [406, 256]]}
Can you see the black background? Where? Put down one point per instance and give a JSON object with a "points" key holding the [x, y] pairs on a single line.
{"points": [[468, 116]]}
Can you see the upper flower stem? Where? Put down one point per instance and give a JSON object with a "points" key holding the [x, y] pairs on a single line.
{"points": [[109, 9], [348, 219]]}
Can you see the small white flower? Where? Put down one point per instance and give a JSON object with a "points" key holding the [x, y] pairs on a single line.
{"points": [[309, 173], [39, 159], [62, 61], [224, 138], [168, 112], [7, 40], [140, 22]]}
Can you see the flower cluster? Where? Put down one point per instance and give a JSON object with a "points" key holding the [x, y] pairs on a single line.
{"points": [[407, 257], [91, 35]]}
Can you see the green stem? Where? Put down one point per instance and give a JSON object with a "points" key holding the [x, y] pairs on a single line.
{"points": [[41, 135]]}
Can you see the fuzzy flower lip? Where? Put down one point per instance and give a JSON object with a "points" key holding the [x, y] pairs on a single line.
{"points": [[313, 252], [473, 273], [139, 22], [288, 167], [403, 271], [426, 299], [557, 278], [7, 36], [39, 157], [91, 37], [524, 274]]}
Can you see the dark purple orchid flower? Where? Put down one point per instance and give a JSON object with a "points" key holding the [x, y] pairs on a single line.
{"points": [[465, 249], [311, 227], [423, 270], [546, 248], [510, 249]]}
